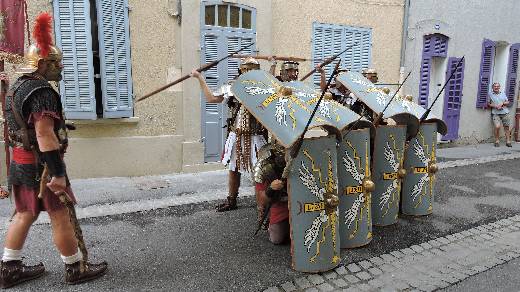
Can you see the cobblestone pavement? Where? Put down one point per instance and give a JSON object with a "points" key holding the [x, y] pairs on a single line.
{"points": [[428, 266]]}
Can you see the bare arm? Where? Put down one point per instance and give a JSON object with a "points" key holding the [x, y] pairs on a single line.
{"points": [[210, 97], [272, 60], [323, 81], [47, 141]]}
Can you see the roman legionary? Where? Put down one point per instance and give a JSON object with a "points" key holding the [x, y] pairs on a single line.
{"points": [[37, 131], [358, 106], [245, 136], [273, 190]]}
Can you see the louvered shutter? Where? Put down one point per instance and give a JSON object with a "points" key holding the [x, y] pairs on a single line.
{"points": [[234, 43], [73, 36], [114, 53], [323, 47], [330, 39], [512, 73], [486, 66], [213, 112], [424, 80]]}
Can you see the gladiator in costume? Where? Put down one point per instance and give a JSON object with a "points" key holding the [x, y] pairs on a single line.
{"points": [[245, 136], [273, 189], [37, 134]]}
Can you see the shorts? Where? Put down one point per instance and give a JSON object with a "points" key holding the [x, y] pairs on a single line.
{"points": [[500, 119]]}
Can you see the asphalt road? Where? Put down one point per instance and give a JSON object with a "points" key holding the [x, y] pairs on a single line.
{"points": [[193, 248]]}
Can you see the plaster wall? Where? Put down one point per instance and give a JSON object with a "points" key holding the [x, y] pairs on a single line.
{"points": [[292, 29], [467, 24]]}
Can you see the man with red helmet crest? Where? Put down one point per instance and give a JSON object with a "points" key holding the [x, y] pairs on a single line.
{"points": [[38, 134]]}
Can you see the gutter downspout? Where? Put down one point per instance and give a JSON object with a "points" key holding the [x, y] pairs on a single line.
{"points": [[517, 117], [406, 12]]}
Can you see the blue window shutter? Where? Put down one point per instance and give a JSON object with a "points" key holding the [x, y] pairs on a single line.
{"points": [[330, 39], [73, 36], [234, 43], [512, 72], [114, 53], [486, 66], [210, 54], [424, 80]]}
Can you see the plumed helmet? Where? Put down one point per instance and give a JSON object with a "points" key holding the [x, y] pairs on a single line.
{"points": [[290, 65], [250, 63], [43, 49]]}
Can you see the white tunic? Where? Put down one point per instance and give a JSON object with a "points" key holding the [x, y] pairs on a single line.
{"points": [[229, 157]]}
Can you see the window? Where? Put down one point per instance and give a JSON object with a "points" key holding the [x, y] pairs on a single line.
{"points": [[226, 15], [330, 39], [94, 37], [499, 63]]}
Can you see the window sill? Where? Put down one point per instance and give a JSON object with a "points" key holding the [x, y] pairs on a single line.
{"points": [[107, 122]]}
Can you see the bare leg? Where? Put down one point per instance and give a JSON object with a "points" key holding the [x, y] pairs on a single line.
{"points": [[18, 230], [497, 134], [233, 185], [63, 232], [507, 134], [279, 232]]}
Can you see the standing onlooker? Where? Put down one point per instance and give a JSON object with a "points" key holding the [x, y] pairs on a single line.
{"points": [[499, 114]]}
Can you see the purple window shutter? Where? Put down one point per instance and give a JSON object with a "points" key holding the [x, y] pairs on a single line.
{"points": [[453, 99], [424, 81], [486, 66], [512, 72]]}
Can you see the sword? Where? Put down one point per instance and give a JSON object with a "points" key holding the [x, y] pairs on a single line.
{"points": [[427, 112], [201, 69], [264, 217], [67, 202], [296, 148], [328, 61]]}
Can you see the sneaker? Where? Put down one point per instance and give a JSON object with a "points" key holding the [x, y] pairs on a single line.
{"points": [[508, 144], [15, 272], [73, 274]]}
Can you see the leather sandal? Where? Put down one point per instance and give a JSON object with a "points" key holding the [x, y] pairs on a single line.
{"points": [[229, 205]]}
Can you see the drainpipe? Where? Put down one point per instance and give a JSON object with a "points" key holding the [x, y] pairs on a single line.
{"points": [[406, 12], [517, 117]]}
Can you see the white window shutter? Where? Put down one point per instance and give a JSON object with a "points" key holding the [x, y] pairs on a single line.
{"points": [[73, 36], [114, 53]]}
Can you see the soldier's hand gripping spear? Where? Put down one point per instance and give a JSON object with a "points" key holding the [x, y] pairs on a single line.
{"points": [[427, 112], [201, 69]]}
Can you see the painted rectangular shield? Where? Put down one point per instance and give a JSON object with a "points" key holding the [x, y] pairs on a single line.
{"points": [[368, 93], [418, 111], [285, 108], [315, 243], [420, 164], [355, 219], [387, 173], [376, 100], [330, 112]]}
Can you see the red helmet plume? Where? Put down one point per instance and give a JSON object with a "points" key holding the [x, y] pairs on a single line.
{"points": [[42, 33]]}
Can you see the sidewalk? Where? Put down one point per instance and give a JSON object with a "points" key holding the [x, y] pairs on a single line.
{"points": [[119, 195]]}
